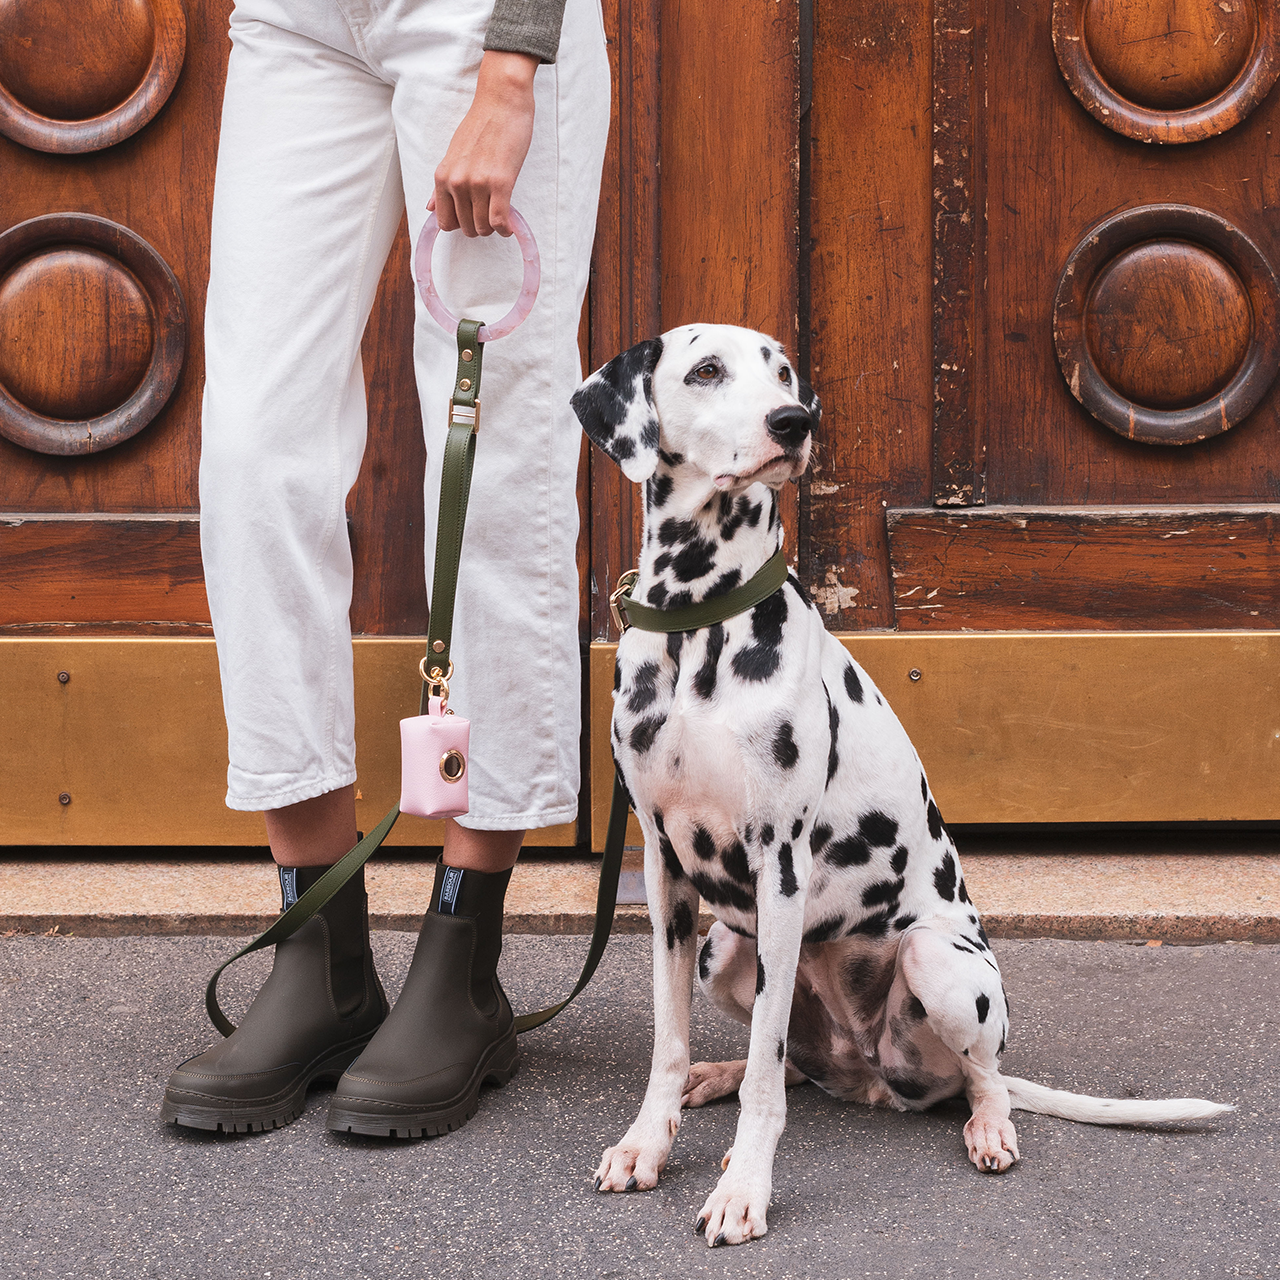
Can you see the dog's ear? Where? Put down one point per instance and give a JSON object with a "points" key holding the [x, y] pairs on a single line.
{"points": [[809, 398], [615, 407]]}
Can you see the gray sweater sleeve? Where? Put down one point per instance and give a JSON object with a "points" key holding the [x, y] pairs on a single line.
{"points": [[526, 26]]}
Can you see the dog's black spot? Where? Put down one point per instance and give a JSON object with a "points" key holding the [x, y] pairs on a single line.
{"points": [[935, 821], [944, 878], [899, 860], [704, 680], [658, 822], [906, 1087], [961, 892], [800, 591], [881, 892], [662, 563], [787, 878], [782, 1050], [738, 929], [678, 600], [752, 515], [877, 829], [868, 979], [622, 448], [746, 835], [675, 643], [759, 975], [657, 595], [852, 685], [904, 922], [915, 1009], [657, 491], [796, 828], [671, 459], [983, 1004], [725, 893], [759, 660], [875, 926], [704, 961], [833, 727], [703, 844], [734, 861], [644, 687], [617, 677], [682, 919], [674, 530], [766, 834], [694, 560], [671, 937], [733, 520], [825, 929], [819, 836], [982, 933], [643, 733], [785, 751], [669, 858], [649, 434], [848, 851], [1000, 1050], [725, 504], [969, 951], [768, 355], [924, 789], [723, 584]]}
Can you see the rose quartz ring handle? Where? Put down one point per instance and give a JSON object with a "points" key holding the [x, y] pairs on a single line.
{"points": [[528, 289]]}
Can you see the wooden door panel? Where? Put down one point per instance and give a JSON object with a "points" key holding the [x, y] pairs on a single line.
{"points": [[1053, 172]]}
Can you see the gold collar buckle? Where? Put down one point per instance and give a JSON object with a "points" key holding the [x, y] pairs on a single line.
{"points": [[620, 593]]}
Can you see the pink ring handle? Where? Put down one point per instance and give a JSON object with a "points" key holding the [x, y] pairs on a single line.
{"points": [[435, 304]]}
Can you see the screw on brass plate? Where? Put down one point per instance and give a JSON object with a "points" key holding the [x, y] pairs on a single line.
{"points": [[437, 646], [466, 356], [914, 673], [65, 798], [64, 677]]}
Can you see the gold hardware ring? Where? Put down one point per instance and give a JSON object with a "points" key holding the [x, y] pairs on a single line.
{"points": [[453, 764], [625, 583]]}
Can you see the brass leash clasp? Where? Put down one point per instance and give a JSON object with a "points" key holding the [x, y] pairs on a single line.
{"points": [[621, 592], [437, 682]]}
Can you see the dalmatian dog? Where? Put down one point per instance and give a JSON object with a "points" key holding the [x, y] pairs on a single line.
{"points": [[771, 778]]}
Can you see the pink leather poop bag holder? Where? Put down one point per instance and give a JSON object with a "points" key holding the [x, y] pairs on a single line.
{"points": [[435, 745]]}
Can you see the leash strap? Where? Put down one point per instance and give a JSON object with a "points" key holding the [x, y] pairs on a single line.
{"points": [[455, 489]]}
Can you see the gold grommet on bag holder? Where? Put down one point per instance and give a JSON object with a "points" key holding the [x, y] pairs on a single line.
{"points": [[453, 764]]}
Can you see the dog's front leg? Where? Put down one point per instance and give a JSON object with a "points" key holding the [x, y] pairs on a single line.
{"points": [[736, 1209], [635, 1163]]}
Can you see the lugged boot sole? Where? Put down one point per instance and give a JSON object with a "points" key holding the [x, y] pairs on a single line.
{"points": [[497, 1067], [269, 1113]]}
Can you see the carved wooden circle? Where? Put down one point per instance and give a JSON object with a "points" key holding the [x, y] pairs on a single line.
{"points": [[80, 75], [1167, 70], [93, 333], [1165, 323]]}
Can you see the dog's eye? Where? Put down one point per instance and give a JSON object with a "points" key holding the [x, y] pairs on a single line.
{"points": [[784, 376], [706, 371]]}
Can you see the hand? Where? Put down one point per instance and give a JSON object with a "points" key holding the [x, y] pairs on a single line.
{"points": [[475, 179]]}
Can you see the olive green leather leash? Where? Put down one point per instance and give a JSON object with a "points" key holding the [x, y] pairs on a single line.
{"points": [[436, 668]]}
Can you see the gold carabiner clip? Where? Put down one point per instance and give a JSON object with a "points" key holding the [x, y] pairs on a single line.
{"points": [[437, 682], [622, 590]]}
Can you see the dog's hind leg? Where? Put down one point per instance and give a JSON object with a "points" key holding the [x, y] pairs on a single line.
{"points": [[736, 1210], [953, 989], [635, 1163]]}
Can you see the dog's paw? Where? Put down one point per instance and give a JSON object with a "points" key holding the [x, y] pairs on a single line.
{"points": [[711, 1080], [993, 1144], [735, 1210], [631, 1166]]}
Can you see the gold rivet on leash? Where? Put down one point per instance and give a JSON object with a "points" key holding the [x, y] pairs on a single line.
{"points": [[438, 646], [466, 356], [453, 764], [465, 384]]}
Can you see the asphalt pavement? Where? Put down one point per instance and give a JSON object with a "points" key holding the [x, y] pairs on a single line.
{"points": [[93, 1185]]}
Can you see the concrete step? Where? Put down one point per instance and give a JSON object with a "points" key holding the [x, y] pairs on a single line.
{"points": [[1158, 897]]}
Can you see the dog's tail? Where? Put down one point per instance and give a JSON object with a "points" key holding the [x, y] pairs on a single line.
{"points": [[1027, 1096]]}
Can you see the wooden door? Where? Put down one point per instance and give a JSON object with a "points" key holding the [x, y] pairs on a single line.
{"points": [[1044, 319]]}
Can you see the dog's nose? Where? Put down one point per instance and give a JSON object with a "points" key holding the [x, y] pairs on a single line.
{"points": [[789, 424]]}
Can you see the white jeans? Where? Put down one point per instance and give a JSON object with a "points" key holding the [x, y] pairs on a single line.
{"points": [[336, 112]]}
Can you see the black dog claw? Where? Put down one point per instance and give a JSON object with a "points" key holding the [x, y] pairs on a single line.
{"points": [[719, 1240], [631, 1183], [698, 1226], [597, 1182]]}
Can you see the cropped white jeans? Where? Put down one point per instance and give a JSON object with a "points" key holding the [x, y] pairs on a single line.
{"points": [[336, 114]]}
